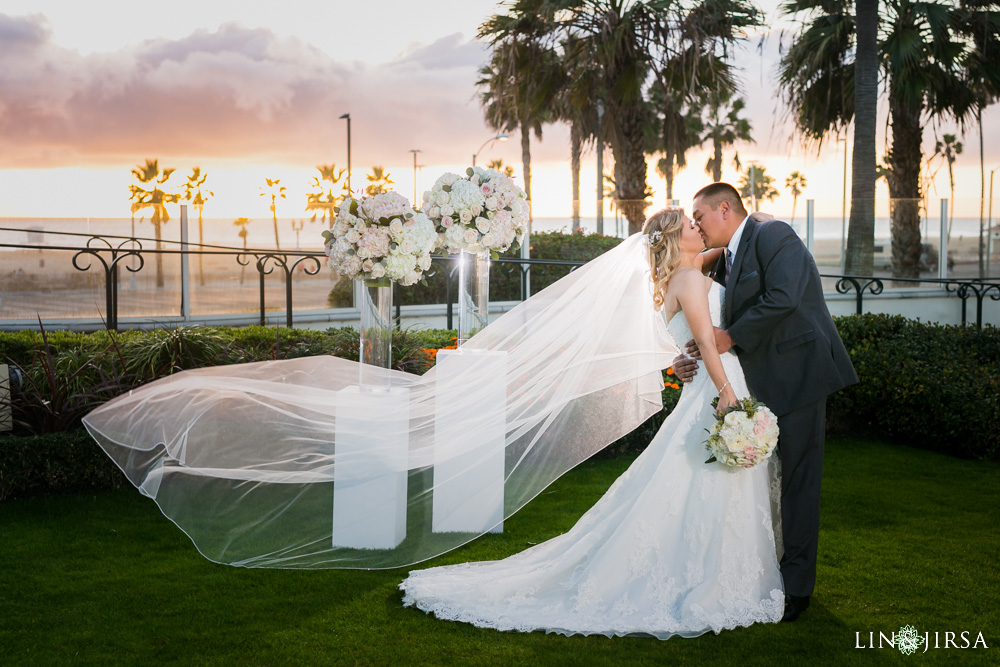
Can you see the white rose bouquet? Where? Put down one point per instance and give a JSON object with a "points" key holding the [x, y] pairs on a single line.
{"points": [[380, 238], [744, 435], [483, 212]]}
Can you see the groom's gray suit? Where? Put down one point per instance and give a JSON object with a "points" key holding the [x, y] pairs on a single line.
{"points": [[793, 359]]}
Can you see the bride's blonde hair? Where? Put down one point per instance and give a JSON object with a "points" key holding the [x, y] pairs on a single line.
{"points": [[663, 231]]}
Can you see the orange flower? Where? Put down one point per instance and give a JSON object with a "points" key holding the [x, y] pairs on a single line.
{"points": [[670, 371]]}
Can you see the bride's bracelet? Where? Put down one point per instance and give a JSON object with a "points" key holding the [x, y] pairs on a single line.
{"points": [[723, 388]]}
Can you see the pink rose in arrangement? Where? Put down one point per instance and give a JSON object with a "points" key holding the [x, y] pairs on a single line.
{"points": [[375, 241], [484, 202], [381, 238]]}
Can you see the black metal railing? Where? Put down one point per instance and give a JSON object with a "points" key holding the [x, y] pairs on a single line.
{"points": [[108, 251], [963, 288]]}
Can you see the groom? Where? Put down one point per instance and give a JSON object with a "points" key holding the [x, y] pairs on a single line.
{"points": [[779, 326]]}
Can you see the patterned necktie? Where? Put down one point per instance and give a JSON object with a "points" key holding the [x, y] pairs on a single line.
{"points": [[729, 264]]}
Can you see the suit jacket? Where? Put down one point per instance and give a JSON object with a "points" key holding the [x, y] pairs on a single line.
{"points": [[777, 317]]}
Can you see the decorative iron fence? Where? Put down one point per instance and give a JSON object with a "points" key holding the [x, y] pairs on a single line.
{"points": [[110, 252]]}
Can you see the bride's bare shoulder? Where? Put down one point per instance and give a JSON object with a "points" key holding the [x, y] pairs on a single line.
{"points": [[686, 278]]}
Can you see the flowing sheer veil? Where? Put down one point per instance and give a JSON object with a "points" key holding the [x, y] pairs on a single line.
{"points": [[289, 464]]}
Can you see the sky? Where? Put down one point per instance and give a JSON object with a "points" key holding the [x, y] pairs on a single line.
{"points": [[250, 90]]}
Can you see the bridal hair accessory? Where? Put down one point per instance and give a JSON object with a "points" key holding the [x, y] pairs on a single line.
{"points": [[744, 435], [654, 237]]}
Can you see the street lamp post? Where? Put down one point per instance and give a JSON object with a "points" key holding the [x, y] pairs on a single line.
{"points": [[415, 151], [989, 226], [347, 116], [752, 164], [600, 169], [499, 137]]}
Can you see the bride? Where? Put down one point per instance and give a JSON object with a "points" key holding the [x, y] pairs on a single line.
{"points": [[676, 546]]}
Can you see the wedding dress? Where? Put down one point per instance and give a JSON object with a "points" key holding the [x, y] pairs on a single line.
{"points": [[675, 547]]}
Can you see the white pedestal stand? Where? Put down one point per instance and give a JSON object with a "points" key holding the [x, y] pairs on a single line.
{"points": [[469, 446], [372, 454]]}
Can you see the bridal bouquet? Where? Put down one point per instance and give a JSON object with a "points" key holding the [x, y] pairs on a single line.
{"points": [[380, 238], [744, 435], [484, 211]]}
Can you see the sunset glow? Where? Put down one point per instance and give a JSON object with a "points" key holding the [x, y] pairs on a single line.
{"points": [[247, 92]]}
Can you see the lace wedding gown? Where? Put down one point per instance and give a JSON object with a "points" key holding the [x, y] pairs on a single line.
{"points": [[675, 547]]}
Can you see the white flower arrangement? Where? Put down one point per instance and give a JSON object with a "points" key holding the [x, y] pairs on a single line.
{"points": [[483, 212], [380, 238], [744, 435]]}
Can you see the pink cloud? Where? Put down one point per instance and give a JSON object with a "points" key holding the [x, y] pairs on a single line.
{"points": [[235, 92]]}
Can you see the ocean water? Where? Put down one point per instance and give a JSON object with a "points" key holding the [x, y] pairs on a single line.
{"points": [[306, 235]]}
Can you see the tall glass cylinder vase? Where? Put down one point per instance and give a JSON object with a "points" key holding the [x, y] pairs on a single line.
{"points": [[473, 294], [376, 334]]}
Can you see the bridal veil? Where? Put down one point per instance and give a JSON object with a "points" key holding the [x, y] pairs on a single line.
{"points": [[290, 464]]}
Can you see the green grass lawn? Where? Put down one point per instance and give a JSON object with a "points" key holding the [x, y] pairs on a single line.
{"points": [[908, 537]]}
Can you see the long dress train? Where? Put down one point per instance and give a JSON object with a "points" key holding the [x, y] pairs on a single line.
{"points": [[675, 547]]}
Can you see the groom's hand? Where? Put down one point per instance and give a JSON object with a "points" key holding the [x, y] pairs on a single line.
{"points": [[685, 368], [722, 342]]}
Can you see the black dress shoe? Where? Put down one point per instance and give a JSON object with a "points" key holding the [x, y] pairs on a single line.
{"points": [[794, 606]]}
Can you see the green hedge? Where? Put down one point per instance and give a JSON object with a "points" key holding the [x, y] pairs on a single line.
{"points": [[68, 374], [55, 463], [505, 279], [930, 386], [71, 462]]}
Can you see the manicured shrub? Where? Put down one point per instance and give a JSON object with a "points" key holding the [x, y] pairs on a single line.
{"points": [[926, 385], [64, 377], [930, 386], [55, 463]]}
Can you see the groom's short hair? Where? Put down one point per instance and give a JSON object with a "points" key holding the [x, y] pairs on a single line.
{"points": [[714, 193]]}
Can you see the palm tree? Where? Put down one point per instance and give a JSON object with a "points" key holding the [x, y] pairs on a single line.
{"points": [[756, 185], [322, 197], [243, 233], [948, 148], [154, 198], [724, 127], [520, 81], [194, 194], [274, 190], [929, 55], [982, 77], [678, 129], [576, 104], [635, 41], [498, 165], [378, 181], [796, 183], [860, 253]]}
